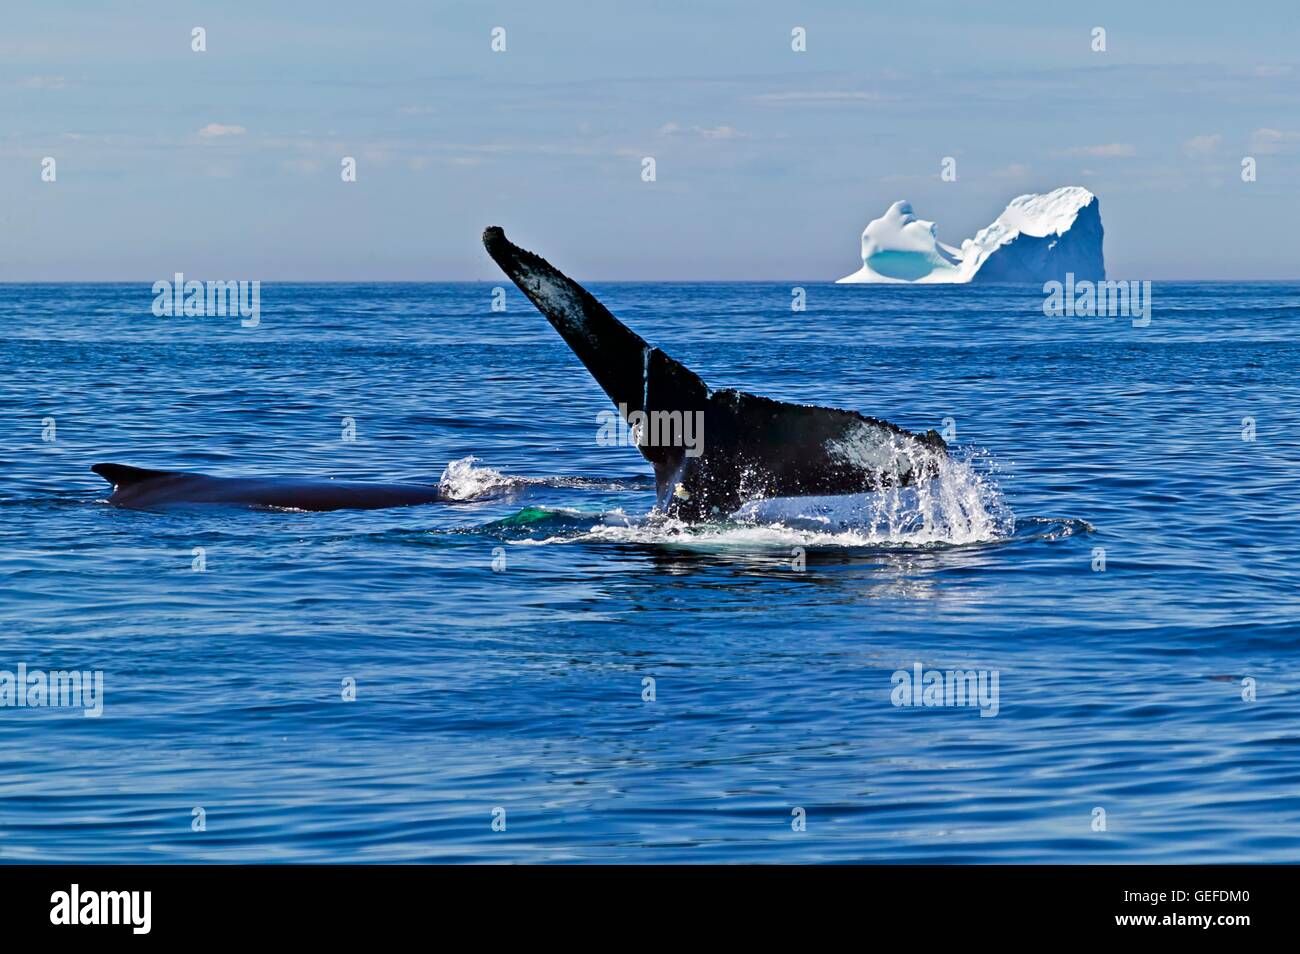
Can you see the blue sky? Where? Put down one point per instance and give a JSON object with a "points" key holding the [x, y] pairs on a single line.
{"points": [[225, 164]]}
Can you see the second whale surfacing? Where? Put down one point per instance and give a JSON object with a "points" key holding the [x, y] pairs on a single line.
{"points": [[750, 447], [142, 489]]}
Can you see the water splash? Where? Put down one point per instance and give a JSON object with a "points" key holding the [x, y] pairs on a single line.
{"points": [[961, 504], [539, 526], [461, 480]]}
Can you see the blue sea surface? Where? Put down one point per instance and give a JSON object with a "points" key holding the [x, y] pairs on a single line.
{"points": [[502, 645]]}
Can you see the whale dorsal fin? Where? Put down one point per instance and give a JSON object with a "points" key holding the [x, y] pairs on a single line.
{"points": [[123, 475]]}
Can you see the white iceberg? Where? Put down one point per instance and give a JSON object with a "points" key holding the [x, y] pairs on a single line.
{"points": [[1037, 238]]}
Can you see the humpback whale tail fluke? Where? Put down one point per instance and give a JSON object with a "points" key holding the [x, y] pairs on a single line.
{"points": [[751, 447]]}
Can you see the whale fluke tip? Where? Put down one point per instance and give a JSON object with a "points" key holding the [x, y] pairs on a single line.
{"points": [[511, 257]]}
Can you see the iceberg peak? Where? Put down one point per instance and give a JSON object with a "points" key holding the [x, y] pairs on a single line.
{"points": [[1037, 238]]}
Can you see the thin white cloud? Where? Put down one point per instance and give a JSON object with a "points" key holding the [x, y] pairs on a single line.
{"points": [[1205, 145], [895, 178], [216, 130], [423, 163], [303, 167], [1109, 150], [1268, 141], [42, 82], [816, 97], [1014, 170], [703, 132]]}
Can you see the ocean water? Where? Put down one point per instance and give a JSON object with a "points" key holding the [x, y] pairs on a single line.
{"points": [[519, 694]]}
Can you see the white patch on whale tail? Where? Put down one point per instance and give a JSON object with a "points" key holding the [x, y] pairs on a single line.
{"points": [[872, 447], [958, 506]]}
